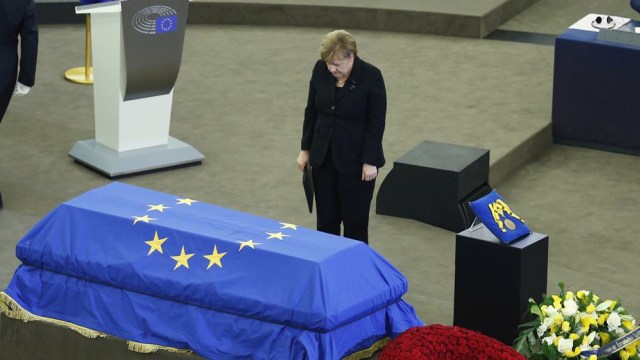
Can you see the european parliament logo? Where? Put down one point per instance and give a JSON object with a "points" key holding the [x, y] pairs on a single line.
{"points": [[157, 19]]}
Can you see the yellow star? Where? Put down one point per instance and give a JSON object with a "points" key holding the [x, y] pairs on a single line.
{"points": [[215, 257], [156, 244], [158, 207], [186, 201], [278, 235], [145, 218], [248, 243], [182, 259], [289, 226]]}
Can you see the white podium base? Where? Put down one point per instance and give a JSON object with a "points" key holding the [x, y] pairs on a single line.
{"points": [[112, 163]]}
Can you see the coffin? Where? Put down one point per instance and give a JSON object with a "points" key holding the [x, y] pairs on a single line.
{"points": [[161, 270]]}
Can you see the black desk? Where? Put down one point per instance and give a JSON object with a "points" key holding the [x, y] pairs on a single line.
{"points": [[596, 93]]}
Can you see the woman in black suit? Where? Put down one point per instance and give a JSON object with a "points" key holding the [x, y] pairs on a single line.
{"points": [[17, 19], [342, 133]]}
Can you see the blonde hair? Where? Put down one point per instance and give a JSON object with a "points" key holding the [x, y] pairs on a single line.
{"points": [[338, 43]]}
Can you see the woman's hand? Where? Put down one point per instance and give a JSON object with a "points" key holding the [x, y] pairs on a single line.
{"points": [[303, 159], [369, 172]]}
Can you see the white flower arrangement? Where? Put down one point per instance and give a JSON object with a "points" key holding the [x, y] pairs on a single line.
{"points": [[578, 326]]}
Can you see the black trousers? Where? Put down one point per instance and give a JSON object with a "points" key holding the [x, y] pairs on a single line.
{"points": [[8, 77], [6, 91], [342, 199]]}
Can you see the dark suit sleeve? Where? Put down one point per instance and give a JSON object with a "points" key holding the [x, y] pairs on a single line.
{"points": [[29, 45], [310, 114], [372, 153]]}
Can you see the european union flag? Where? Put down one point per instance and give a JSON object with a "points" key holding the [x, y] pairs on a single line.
{"points": [[161, 270], [165, 24]]}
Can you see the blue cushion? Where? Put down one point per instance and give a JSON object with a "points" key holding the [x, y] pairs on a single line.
{"points": [[499, 218]]}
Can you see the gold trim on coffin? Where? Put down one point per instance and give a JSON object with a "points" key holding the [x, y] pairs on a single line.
{"points": [[13, 310], [366, 353]]}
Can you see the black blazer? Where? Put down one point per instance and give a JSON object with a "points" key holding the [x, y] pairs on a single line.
{"points": [[351, 123], [17, 17]]}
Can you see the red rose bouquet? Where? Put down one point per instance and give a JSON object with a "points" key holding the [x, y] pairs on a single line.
{"points": [[435, 342]]}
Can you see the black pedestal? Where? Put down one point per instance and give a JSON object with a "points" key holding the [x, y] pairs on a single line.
{"points": [[433, 182], [494, 281]]}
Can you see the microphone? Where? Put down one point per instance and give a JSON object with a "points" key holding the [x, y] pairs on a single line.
{"points": [[606, 23]]}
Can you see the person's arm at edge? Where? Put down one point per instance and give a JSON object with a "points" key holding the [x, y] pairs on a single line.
{"points": [[372, 154], [308, 126], [28, 46]]}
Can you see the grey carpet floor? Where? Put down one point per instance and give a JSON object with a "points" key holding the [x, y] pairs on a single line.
{"points": [[239, 100]]}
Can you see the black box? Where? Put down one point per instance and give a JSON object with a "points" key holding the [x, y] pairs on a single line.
{"points": [[494, 281], [433, 182]]}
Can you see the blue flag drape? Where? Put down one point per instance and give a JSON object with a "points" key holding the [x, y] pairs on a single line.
{"points": [[160, 269]]}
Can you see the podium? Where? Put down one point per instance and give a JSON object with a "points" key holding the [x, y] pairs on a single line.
{"points": [[433, 183], [494, 281], [137, 50]]}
